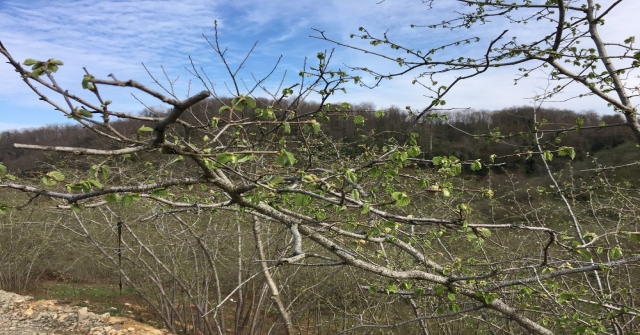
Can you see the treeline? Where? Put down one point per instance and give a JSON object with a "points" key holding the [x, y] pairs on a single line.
{"points": [[28, 162], [466, 134], [478, 134]]}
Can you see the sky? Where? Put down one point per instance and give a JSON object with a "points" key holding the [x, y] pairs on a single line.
{"points": [[119, 36]]}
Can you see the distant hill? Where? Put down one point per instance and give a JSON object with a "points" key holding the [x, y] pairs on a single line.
{"points": [[441, 136]]}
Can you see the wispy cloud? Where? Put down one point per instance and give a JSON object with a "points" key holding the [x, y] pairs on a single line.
{"points": [[116, 36]]}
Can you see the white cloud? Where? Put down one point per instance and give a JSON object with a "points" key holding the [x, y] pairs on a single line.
{"points": [[116, 36]]}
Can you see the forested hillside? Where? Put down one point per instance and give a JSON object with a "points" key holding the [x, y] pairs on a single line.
{"points": [[465, 134]]}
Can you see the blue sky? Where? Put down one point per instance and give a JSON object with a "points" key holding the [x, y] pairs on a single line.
{"points": [[116, 36]]}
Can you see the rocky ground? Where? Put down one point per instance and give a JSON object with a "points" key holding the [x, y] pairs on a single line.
{"points": [[21, 315]]}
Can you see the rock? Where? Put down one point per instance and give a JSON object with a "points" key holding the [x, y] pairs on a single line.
{"points": [[104, 317], [82, 314], [21, 315]]}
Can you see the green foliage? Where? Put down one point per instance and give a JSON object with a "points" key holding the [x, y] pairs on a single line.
{"points": [[52, 178], [100, 171], [84, 186], [127, 199], [312, 127], [567, 151], [111, 198], [303, 200], [86, 82], [401, 199], [476, 165], [285, 158], [144, 129], [39, 68]]}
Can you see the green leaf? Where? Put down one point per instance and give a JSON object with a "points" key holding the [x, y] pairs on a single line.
{"points": [[84, 112], [287, 128], [586, 254], [355, 195], [406, 286], [56, 175], [358, 119], [37, 73], [413, 151], [127, 200], [365, 209], [160, 193], [285, 158], [566, 296], [86, 84], [52, 68], [564, 151], [85, 186], [399, 156], [489, 297], [275, 181], [74, 187], [225, 157], [288, 91], [548, 156], [401, 198], [54, 61], [48, 181], [144, 129], [95, 183], [351, 176], [251, 103], [315, 126], [30, 61], [104, 171], [615, 253], [223, 109], [111, 198], [476, 165], [302, 200], [3, 170], [391, 289], [209, 163], [244, 158], [463, 208]]}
